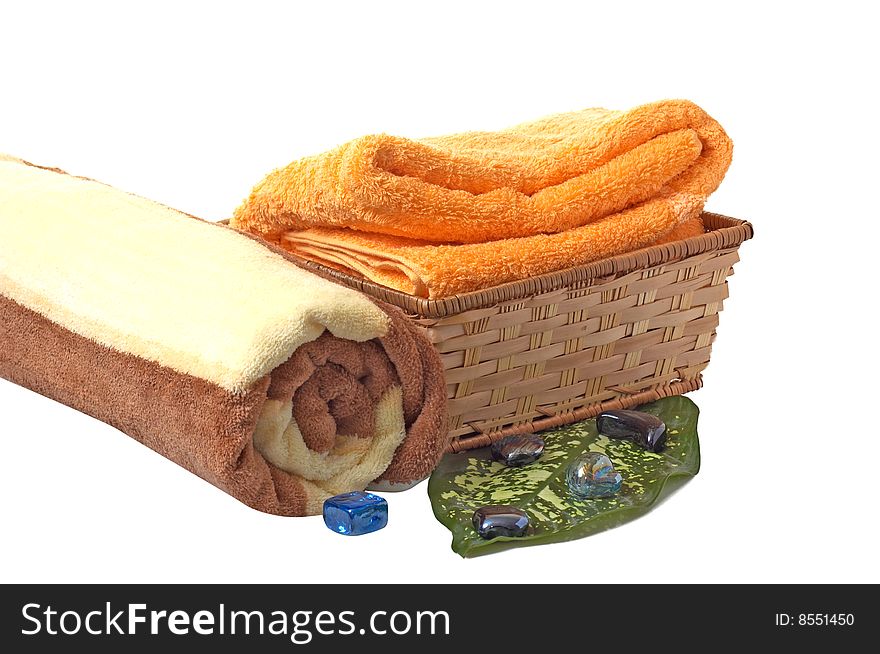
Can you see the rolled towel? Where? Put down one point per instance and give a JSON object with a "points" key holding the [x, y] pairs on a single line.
{"points": [[440, 216], [210, 347]]}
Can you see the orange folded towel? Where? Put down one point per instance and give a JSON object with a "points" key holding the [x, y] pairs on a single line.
{"points": [[446, 215]]}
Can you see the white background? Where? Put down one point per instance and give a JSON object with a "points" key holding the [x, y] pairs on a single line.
{"points": [[191, 104]]}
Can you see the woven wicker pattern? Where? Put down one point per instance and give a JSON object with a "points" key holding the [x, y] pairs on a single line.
{"points": [[554, 349]]}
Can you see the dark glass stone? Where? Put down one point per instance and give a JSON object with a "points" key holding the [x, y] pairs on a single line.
{"points": [[494, 521], [519, 450], [643, 428]]}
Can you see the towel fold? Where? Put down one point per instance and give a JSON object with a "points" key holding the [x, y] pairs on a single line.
{"points": [[209, 346], [446, 215]]}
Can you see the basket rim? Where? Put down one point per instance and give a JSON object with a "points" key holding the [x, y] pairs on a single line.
{"points": [[724, 232]]}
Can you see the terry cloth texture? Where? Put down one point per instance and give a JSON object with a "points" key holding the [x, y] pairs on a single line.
{"points": [[210, 347], [440, 216]]}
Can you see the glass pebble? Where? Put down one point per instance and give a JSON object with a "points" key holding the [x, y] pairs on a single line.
{"points": [[593, 475], [518, 450], [643, 428], [356, 513], [500, 520]]}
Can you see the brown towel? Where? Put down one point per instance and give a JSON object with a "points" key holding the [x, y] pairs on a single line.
{"points": [[209, 347]]}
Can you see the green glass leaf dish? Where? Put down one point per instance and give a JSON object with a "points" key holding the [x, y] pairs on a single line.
{"points": [[466, 481]]}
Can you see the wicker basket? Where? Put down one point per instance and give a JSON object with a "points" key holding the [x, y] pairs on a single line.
{"points": [[542, 352]]}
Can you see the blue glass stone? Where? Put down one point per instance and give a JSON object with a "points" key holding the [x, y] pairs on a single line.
{"points": [[357, 513], [593, 475]]}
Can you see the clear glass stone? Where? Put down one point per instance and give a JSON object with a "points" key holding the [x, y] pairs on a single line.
{"points": [[593, 475]]}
